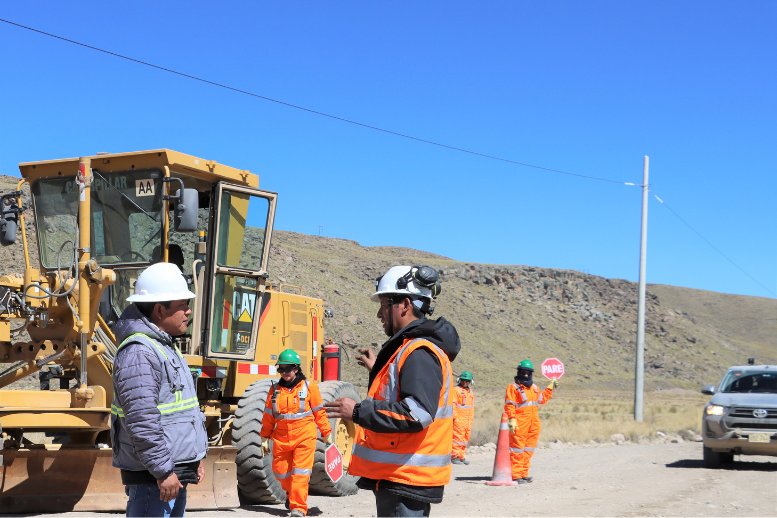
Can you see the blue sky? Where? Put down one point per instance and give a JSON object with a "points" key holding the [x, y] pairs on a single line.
{"points": [[584, 87]]}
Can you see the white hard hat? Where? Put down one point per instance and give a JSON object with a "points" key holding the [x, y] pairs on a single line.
{"points": [[403, 280], [161, 282]]}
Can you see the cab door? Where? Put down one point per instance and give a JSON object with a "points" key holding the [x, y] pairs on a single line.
{"points": [[241, 232]]}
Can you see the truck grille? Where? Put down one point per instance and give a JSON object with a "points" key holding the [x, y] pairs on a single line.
{"points": [[744, 418], [747, 412]]}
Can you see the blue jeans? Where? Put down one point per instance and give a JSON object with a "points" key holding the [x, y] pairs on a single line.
{"points": [[144, 501], [389, 504]]}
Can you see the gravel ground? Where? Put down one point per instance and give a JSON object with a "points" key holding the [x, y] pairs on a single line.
{"points": [[592, 480]]}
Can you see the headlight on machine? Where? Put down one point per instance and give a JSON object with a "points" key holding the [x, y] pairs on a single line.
{"points": [[715, 410]]}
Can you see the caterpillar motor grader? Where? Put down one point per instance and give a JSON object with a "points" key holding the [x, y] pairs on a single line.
{"points": [[99, 221]]}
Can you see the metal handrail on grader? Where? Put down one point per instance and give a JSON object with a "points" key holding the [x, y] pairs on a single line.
{"points": [[99, 221]]}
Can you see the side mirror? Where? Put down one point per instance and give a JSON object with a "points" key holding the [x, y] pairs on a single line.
{"points": [[187, 207], [187, 211], [9, 218], [708, 390]]}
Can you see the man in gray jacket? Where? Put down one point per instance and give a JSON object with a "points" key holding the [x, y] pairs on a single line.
{"points": [[157, 428]]}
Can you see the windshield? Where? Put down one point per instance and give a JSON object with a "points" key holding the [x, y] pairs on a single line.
{"points": [[753, 382], [125, 215]]}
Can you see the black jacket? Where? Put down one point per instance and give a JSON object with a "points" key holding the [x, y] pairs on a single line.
{"points": [[420, 378]]}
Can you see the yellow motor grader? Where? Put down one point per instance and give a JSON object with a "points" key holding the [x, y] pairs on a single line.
{"points": [[99, 221]]}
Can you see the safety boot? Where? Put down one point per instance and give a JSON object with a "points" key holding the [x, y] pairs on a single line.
{"points": [[456, 460], [521, 481], [464, 461], [297, 512], [528, 479]]}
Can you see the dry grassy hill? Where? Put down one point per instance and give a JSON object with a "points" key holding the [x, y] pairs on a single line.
{"points": [[505, 313]]}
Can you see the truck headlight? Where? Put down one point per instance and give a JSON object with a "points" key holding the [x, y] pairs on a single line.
{"points": [[715, 410]]}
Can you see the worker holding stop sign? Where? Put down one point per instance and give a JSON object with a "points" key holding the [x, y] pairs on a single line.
{"points": [[522, 402]]}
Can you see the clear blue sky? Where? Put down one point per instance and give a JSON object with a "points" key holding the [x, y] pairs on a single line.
{"points": [[585, 87]]}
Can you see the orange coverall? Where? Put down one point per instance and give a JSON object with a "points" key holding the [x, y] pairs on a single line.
{"points": [[521, 404], [463, 415], [290, 420]]}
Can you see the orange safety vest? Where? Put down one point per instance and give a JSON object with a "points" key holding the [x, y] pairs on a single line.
{"points": [[522, 402], [294, 409], [421, 458], [465, 405]]}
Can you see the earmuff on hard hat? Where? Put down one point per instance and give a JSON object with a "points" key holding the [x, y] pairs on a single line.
{"points": [[465, 376], [420, 283], [424, 276]]}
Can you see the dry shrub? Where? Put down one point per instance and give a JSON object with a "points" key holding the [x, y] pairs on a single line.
{"points": [[580, 417]]}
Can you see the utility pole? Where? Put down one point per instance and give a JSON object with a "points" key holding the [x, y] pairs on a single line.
{"points": [[639, 369]]}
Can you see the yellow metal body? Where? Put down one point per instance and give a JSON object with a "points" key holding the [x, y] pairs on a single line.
{"points": [[70, 331]]}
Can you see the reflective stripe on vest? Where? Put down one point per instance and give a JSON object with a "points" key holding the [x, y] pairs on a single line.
{"points": [[391, 391], [422, 458], [466, 395], [290, 417], [526, 402], [167, 408], [401, 459]]}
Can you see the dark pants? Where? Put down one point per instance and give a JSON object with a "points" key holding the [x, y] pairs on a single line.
{"points": [[144, 500], [390, 504]]}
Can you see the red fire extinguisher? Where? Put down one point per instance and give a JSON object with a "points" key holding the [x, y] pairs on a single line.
{"points": [[331, 361]]}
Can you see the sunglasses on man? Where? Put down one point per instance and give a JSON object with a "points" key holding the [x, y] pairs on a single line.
{"points": [[282, 369]]}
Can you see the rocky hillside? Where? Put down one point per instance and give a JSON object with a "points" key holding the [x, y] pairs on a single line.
{"points": [[505, 313]]}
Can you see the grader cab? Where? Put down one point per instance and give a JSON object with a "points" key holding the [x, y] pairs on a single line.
{"points": [[99, 222]]}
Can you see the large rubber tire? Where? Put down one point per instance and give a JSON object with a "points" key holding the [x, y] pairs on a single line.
{"points": [[342, 432], [256, 482], [714, 459]]}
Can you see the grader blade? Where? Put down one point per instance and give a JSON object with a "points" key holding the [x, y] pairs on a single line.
{"points": [[59, 479]]}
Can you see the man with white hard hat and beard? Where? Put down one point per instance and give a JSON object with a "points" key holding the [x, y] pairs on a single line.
{"points": [[403, 443]]}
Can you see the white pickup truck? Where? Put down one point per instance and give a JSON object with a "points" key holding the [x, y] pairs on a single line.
{"points": [[741, 417]]}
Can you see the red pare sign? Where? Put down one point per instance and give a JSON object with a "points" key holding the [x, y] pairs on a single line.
{"points": [[334, 463], [552, 368]]}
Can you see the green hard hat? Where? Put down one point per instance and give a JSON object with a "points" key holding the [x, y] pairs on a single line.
{"points": [[466, 376], [288, 357], [526, 365]]}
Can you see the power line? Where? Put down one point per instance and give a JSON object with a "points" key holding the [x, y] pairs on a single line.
{"points": [[709, 243], [376, 128], [309, 110]]}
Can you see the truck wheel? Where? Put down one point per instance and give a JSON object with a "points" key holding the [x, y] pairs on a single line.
{"points": [[712, 459], [256, 482], [343, 435]]}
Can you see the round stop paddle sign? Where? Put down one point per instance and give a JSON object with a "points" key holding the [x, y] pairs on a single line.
{"points": [[552, 368]]}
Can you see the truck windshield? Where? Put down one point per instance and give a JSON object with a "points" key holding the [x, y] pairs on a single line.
{"points": [[737, 381], [126, 217]]}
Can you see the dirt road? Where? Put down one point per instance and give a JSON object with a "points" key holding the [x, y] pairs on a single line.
{"points": [[625, 480]]}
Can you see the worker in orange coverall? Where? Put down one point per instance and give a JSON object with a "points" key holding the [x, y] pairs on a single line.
{"points": [[463, 415], [521, 406], [293, 410]]}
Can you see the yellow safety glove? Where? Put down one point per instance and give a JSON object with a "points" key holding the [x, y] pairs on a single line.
{"points": [[265, 446], [553, 384], [328, 440], [512, 424]]}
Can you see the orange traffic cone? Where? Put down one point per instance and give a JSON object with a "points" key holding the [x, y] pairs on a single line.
{"points": [[503, 473]]}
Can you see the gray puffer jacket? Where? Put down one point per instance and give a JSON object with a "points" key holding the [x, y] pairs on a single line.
{"points": [[156, 420]]}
